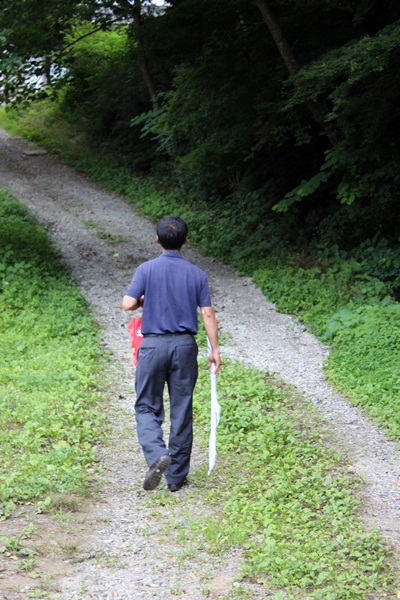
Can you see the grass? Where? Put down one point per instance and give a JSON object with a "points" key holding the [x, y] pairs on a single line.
{"points": [[279, 491], [360, 320], [287, 497], [51, 410], [17, 548], [104, 235]]}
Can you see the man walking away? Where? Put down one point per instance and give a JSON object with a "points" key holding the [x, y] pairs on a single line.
{"points": [[170, 289]]}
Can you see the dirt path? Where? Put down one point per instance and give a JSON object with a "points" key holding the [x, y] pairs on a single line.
{"points": [[125, 551]]}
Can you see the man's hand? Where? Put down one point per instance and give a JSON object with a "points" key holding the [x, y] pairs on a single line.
{"points": [[214, 358], [211, 326]]}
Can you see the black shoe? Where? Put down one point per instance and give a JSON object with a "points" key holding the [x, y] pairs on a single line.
{"points": [[175, 487], [154, 474]]}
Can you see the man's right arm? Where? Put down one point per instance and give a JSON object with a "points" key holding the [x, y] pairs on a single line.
{"points": [[134, 297], [211, 326], [129, 303]]}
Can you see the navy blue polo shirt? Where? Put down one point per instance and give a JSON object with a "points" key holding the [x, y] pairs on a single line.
{"points": [[173, 289]]}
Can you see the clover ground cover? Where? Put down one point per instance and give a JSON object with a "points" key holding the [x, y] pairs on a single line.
{"points": [[282, 492], [50, 408]]}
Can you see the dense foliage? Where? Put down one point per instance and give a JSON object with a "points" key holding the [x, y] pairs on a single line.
{"points": [[199, 93]]}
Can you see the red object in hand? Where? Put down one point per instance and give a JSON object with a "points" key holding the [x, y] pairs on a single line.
{"points": [[135, 332]]}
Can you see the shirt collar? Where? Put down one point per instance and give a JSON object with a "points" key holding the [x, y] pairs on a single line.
{"points": [[172, 253]]}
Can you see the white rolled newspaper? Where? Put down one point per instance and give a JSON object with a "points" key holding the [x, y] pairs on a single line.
{"points": [[215, 414]]}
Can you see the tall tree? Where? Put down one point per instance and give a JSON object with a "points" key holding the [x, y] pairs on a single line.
{"points": [[278, 37], [293, 66], [142, 54]]}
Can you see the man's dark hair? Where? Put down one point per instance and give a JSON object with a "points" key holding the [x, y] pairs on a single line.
{"points": [[172, 232]]}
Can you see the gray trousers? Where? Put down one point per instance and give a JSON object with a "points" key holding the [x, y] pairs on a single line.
{"points": [[170, 359]]}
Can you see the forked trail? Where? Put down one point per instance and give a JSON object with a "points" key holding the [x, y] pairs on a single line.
{"points": [[123, 547]]}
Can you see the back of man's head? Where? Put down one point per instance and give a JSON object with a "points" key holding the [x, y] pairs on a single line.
{"points": [[172, 232]]}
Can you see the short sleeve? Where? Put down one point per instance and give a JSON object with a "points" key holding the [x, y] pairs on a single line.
{"points": [[137, 285], [204, 294]]}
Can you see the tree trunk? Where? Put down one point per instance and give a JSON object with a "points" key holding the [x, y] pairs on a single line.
{"points": [[142, 57], [292, 65], [278, 37], [47, 70], [149, 83]]}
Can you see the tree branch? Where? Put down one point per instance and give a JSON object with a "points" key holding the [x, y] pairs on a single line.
{"points": [[85, 35]]}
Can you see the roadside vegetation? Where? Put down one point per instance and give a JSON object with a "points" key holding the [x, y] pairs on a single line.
{"points": [[51, 405], [282, 493]]}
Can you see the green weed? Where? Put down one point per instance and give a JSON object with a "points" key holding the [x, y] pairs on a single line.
{"points": [[17, 548], [110, 237], [16, 545], [103, 235], [355, 314], [366, 361], [50, 406], [285, 497]]}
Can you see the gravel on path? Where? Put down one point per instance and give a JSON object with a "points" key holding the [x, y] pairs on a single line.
{"points": [[126, 553]]}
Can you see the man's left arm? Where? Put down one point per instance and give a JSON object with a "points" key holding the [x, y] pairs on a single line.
{"points": [[211, 327]]}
